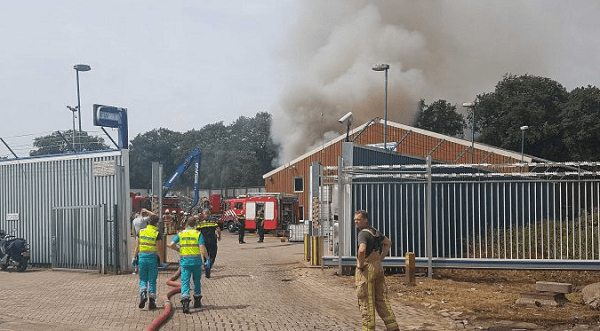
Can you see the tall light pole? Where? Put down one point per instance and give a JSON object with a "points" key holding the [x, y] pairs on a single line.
{"points": [[523, 128], [78, 68], [470, 105], [384, 67]]}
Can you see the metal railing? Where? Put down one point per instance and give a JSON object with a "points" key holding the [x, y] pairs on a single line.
{"points": [[530, 216]]}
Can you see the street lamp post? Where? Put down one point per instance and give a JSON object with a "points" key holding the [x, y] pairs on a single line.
{"points": [[523, 128], [470, 106], [78, 68], [384, 67]]}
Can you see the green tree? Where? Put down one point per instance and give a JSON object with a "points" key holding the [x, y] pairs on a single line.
{"points": [[232, 156], [159, 145], [61, 143], [253, 147], [210, 140], [581, 124], [440, 117], [523, 100]]}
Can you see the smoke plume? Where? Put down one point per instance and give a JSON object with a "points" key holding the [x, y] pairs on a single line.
{"points": [[451, 50]]}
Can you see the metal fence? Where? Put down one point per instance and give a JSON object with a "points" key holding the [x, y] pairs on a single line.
{"points": [[83, 238], [529, 216], [52, 203]]}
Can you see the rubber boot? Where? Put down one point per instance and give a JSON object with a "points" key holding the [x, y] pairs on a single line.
{"points": [[197, 301], [207, 271], [186, 305], [143, 298], [152, 304]]}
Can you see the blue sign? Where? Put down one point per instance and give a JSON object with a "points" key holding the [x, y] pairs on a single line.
{"points": [[113, 117], [108, 116]]}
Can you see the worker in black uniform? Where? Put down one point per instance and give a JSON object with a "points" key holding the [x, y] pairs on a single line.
{"points": [[241, 228], [260, 226], [212, 233]]}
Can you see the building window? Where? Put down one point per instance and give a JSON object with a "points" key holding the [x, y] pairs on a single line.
{"points": [[298, 184], [301, 212]]}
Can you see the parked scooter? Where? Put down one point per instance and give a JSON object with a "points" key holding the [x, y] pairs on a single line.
{"points": [[13, 251]]}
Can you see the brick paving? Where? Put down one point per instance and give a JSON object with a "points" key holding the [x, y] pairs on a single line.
{"points": [[255, 286]]}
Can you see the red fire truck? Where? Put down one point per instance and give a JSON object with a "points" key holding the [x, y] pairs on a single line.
{"points": [[280, 210]]}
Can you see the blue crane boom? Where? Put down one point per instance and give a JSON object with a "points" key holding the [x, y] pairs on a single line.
{"points": [[194, 157]]}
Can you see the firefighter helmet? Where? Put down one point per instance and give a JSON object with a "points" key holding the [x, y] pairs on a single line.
{"points": [[167, 211]]}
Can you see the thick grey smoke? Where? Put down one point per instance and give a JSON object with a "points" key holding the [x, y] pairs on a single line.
{"points": [[451, 50]]}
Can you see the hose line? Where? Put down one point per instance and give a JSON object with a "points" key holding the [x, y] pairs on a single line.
{"points": [[169, 310]]}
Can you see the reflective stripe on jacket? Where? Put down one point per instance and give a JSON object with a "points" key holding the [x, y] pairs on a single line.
{"points": [[207, 225], [188, 243], [148, 239]]}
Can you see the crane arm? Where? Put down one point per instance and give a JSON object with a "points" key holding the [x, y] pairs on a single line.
{"points": [[194, 157]]}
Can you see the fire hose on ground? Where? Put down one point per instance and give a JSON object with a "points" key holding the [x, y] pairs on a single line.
{"points": [[168, 312]]}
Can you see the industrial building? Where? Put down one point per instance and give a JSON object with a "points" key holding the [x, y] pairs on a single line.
{"points": [[292, 177]]}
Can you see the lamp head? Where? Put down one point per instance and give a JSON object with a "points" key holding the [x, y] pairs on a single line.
{"points": [[468, 104], [524, 127], [82, 67], [381, 67]]}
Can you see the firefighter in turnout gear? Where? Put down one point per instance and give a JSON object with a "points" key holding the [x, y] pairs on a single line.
{"points": [[146, 257], [190, 244], [212, 233], [260, 226], [373, 246], [241, 228]]}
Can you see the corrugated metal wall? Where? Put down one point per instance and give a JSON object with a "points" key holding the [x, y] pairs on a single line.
{"points": [[32, 187]]}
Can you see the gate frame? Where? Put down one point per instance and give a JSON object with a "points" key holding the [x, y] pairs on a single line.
{"points": [[99, 224]]}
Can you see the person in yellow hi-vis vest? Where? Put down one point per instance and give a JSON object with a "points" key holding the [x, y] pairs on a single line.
{"points": [[373, 246], [146, 257], [190, 244]]}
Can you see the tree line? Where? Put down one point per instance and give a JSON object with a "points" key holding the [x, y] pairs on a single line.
{"points": [[562, 126], [236, 155]]}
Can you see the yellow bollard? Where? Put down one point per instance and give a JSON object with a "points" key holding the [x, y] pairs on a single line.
{"points": [[161, 249], [316, 249]]}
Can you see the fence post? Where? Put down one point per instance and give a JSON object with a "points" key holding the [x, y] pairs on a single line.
{"points": [[429, 230], [306, 247], [341, 218]]}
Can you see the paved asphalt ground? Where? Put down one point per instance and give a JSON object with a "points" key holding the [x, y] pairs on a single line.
{"points": [[255, 286]]}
